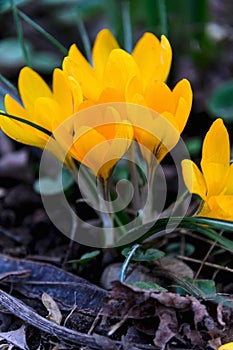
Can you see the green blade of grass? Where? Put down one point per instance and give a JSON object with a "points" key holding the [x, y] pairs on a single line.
{"points": [[19, 32], [203, 226], [8, 84], [42, 31], [84, 36], [126, 19]]}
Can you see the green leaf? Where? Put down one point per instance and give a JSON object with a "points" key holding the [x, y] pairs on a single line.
{"points": [[11, 54], [148, 286], [204, 226], [48, 186], [220, 103], [206, 286], [85, 258], [150, 254]]}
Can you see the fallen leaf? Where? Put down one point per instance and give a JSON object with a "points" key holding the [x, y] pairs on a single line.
{"points": [[52, 307], [17, 338]]}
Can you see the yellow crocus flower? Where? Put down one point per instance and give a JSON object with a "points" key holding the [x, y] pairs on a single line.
{"points": [[113, 68], [215, 183], [137, 78], [99, 139], [41, 105]]}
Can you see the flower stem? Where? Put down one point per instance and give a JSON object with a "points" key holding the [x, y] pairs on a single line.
{"points": [[105, 213]]}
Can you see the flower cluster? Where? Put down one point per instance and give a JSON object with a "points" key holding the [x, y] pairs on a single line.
{"points": [[115, 76]]}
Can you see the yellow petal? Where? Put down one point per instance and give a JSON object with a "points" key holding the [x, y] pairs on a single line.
{"points": [[110, 94], [23, 133], [153, 58], [62, 92], [229, 184], [76, 92], [14, 108], [48, 113], [31, 87], [216, 158], [75, 55], [216, 145], [181, 114], [134, 87], [183, 89], [85, 77], [159, 97], [228, 346], [87, 142], [193, 178], [220, 207], [104, 44], [119, 69], [118, 147]]}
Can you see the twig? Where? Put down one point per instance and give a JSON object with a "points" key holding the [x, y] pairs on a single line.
{"points": [[28, 315], [205, 258], [215, 266]]}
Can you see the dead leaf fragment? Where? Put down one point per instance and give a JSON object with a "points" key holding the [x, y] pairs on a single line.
{"points": [[16, 338], [52, 307]]}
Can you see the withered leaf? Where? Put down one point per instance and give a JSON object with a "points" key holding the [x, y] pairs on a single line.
{"points": [[17, 338], [52, 307]]}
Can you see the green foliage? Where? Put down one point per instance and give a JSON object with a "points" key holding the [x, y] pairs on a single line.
{"points": [[193, 145], [48, 186], [173, 249], [220, 103], [144, 255], [85, 258], [149, 286]]}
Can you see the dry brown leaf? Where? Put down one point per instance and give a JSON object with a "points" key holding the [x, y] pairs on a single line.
{"points": [[52, 307]]}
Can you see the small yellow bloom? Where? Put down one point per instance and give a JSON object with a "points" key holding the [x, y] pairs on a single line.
{"points": [[228, 346], [42, 106], [99, 139], [215, 183], [160, 130]]}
